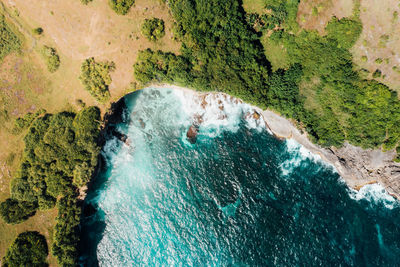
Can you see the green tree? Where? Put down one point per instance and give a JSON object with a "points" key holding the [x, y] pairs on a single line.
{"points": [[51, 57], [121, 6], [13, 211], [96, 78], [28, 249], [153, 29], [9, 41]]}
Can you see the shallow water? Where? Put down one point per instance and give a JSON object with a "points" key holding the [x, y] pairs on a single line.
{"points": [[237, 197]]}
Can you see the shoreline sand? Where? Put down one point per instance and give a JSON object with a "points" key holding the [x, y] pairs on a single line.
{"points": [[357, 167]]}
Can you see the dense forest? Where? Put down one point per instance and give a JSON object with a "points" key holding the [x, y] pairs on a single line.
{"points": [[28, 249], [320, 88], [60, 156]]}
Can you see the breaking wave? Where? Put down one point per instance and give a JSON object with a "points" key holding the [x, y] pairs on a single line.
{"points": [[232, 196]]}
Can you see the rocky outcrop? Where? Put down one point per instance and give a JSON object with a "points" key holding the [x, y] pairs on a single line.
{"points": [[359, 167], [192, 134], [355, 165]]}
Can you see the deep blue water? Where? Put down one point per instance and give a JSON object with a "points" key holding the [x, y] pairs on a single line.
{"points": [[237, 197]]}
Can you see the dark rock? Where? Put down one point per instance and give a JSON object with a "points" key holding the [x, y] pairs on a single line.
{"points": [[122, 137], [192, 134], [89, 210]]}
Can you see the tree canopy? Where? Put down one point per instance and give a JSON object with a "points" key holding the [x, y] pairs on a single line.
{"points": [[28, 249]]}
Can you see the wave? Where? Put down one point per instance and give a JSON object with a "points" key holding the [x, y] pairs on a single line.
{"points": [[374, 193], [218, 112]]}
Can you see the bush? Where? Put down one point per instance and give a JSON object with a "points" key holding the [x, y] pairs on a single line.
{"points": [[96, 78], [24, 122], [9, 41], [121, 6], [345, 31], [28, 249], [377, 74], [153, 29], [14, 211], [67, 231], [38, 31], [60, 155], [52, 58], [85, 2]]}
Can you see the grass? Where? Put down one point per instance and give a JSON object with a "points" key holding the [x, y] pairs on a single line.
{"points": [[275, 53], [254, 6], [26, 85]]}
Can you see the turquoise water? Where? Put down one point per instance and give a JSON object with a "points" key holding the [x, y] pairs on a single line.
{"points": [[237, 197]]}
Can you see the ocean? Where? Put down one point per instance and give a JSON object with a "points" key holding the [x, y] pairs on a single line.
{"points": [[232, 195]]}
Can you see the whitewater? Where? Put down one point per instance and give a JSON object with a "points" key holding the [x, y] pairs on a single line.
{"points": [[237, 196]]}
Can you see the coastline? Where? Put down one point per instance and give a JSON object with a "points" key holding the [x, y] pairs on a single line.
{"points": [[357, 167]]}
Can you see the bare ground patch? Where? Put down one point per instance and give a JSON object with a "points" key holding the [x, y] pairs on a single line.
{"points": [[94, 30], [315, 14], [379, 44]]}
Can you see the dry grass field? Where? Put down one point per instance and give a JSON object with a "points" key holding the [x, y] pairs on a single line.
{"points": [[80, 31], [379, 43], [77, 32], [315, 14]]}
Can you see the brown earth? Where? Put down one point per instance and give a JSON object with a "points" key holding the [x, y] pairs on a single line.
{"points": [[77, 32], [315, 14], [380, 40]]}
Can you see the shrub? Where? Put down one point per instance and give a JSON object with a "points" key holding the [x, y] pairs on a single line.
{"points": [[345, 31], [28, 249], [96, 78], [9, 41], [153, 29], [377, 74], [38, 31], [364, 58], [67, 231], [85, 2], [52, 58], [24, 122], [378, 61], [60, 155], [14, 211], [121, 6]]}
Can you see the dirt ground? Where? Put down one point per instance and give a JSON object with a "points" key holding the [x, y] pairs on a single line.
{"points": [[77, 32], [379, 44], [315, 14], [80, 31]]}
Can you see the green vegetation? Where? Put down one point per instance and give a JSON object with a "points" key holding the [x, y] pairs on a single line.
{"points": [[377, 74], [28, 249], [52, 58], [9, 41], [364, 58], [121, 6], [85, 2], [60, 156], [38, 31], [153, 29], [13, 211], [378, 61], [320, 87], [96, 78], [24, 122], [344, 31]]}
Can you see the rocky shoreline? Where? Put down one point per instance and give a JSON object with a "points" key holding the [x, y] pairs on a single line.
{"points": [[358, 167]]}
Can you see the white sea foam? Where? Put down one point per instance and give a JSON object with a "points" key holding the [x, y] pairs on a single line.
{"points": [[299, 154], [374, 193], [218, 112]]}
